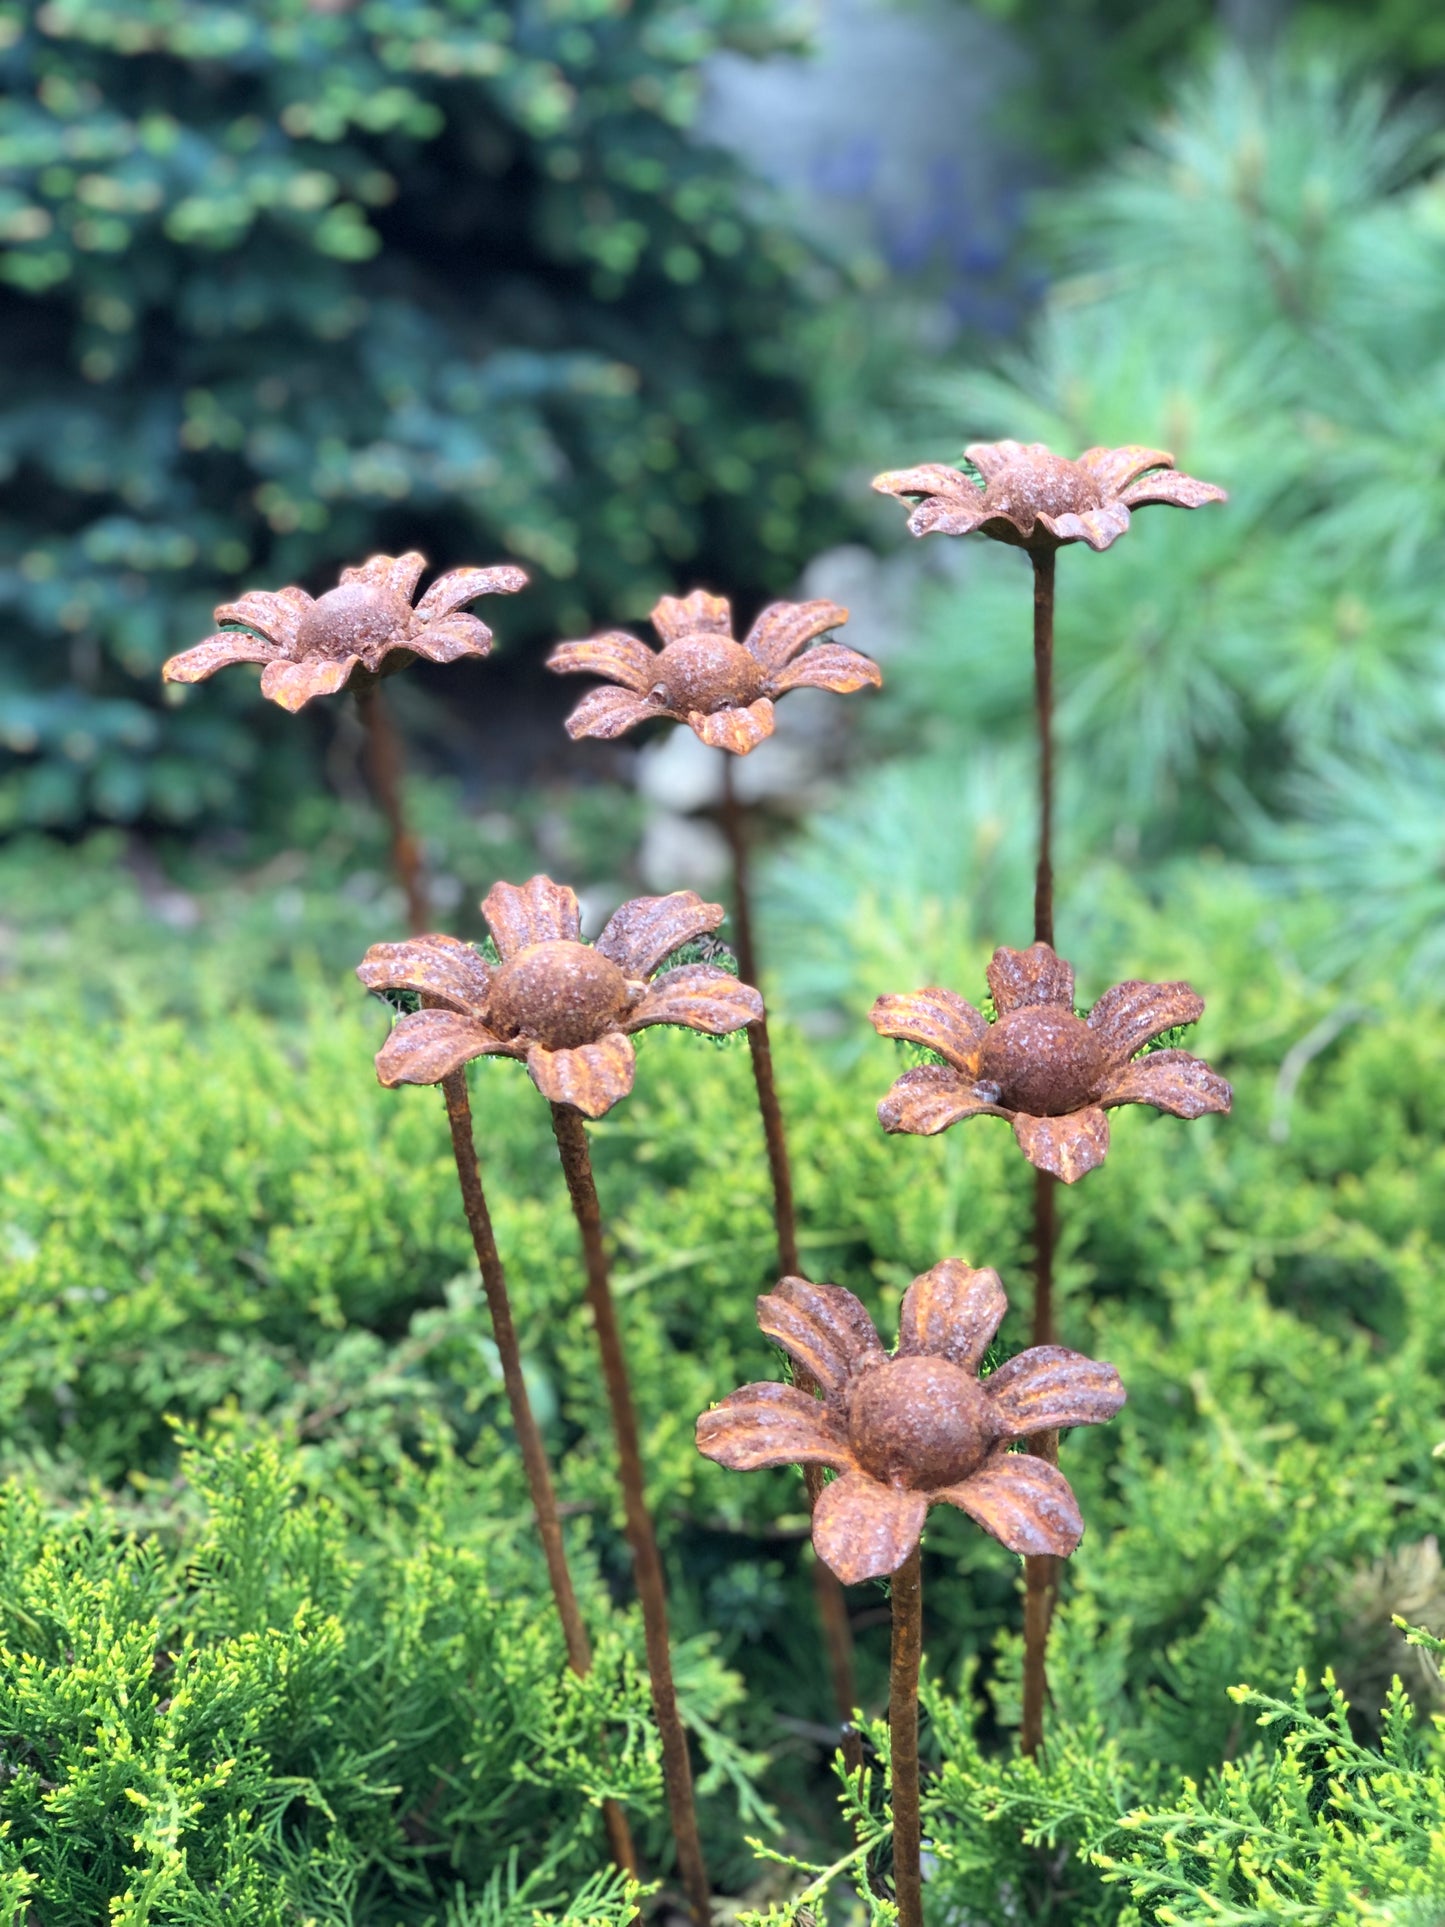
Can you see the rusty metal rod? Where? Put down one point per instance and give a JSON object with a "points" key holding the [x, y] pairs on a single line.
{"points": [[384, 764], [571, 1135], [907, 1599], [1043, 561]]}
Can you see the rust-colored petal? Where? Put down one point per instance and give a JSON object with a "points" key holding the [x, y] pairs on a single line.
{"points": [[676, 616], [736, 729], [1176, 491], [616, 655], [430, 1044], [449, 638], [942, 515], [1170, 1080], [293, 684], [822, 1328], [928, 1099], [609, 712], [537, 911], [641, 933], [993, 459], [274, 614], [1133, 1014], [1100, 527], [399, 573], [952, 1312], [784, 628], [1023, 1501], [700, 997], [828, 666], [764, 1425], [1017, 978], [1115, 468], [458, 587], [219, 652], [1067, 1146], [435, 966], [929, 479], [591, 1078], [864, 1530], [1048, 1387], [939, 1019]]}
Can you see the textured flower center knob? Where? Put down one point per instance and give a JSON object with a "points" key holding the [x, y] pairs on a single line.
{"points": [[921, 1423], [561, 993], [1055, 487], [1042, 1060], [707, 673], [355, 620]]}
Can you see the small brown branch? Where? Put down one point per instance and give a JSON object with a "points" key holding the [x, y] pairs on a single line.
{"points": [[907, 1598], [384, 763]]}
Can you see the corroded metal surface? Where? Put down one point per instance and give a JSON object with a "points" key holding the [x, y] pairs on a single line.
{"points": [[1052, 1074], [915, 1428], [564, 1007], [1034, 499], [722, 689], [365, 628]]}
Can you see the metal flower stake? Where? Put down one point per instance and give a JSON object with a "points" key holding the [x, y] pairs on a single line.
{"points": [[568, 1010], [904, 1431], [1024, 495]]}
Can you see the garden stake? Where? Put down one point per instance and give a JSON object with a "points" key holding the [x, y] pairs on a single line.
{"points": [[383, 749], [907, 1604], [571, 1135]]}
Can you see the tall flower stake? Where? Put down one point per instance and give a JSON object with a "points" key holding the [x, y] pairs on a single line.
{"points": [[1026, 496]]}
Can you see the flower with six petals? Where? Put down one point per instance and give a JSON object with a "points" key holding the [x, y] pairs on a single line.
{"points": [[1051, 1073], [361, 630], [722, 689], [1034, 499], [564, 1007], [917, 1427]]}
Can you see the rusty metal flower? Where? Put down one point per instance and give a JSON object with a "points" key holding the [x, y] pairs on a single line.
{"points": [[363, 629], [1037, 500], [917, 1427], [722, 689], [563, 1006], [1051, 1073]]}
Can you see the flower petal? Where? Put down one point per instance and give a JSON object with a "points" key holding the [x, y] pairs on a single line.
{"points": [[1017, 978], [641, 933], [952, 1312], [1114, 468], [765, 1425], [430, 1044], [1023, 1501], [608, 712], [1100, 527], [676, 616], [1048, 1387], [219, 652], [940, 1020], [864, 1530], [784, 628], [929, 479], [616, 655], [823, 1328], [1170, 1080], [1067, 1146], [458, 587], [435, 966], [927, 1100], [1133, 1014], [277, 616], [736, 729], [1177, 491], [591, 1078], [293, 684], [829, 666], [537, 911], [993, 459], [941, 515], [399, 573], [699, 997], [449, 638]]}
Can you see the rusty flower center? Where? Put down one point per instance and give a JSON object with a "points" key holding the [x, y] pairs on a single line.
{"points": [[1041, 1060], [919, 1422], [561, 993], [1048, 485], [354, 620], [705, 673]]}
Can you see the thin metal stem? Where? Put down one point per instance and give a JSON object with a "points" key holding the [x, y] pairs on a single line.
{"points": [[383, 754], [907, 1598], [571, 1135], [1043, 561]]}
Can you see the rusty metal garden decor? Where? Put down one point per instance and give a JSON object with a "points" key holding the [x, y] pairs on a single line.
{"points": [[1041, 1071], [904, 1431]]}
